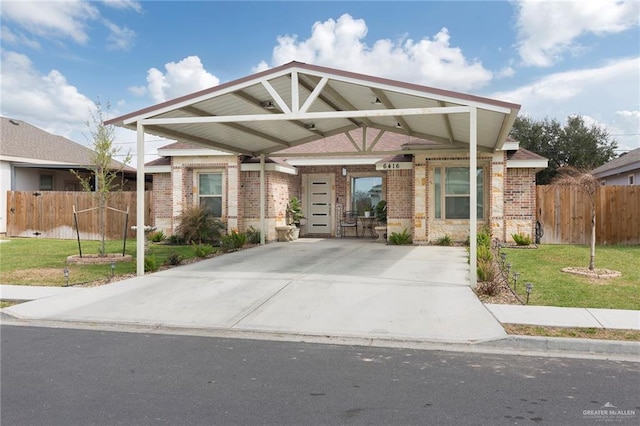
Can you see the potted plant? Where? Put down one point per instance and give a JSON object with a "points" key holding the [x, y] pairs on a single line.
{"points": [[294, 214], [380, 211]]}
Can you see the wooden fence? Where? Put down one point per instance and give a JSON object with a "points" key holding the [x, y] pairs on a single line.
{"points": [[49, 214], [565, 214]]}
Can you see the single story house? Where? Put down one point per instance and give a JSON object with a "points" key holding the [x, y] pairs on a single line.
{"points": [[441, 160], [32, 159], [430, 207], [624, 170]]}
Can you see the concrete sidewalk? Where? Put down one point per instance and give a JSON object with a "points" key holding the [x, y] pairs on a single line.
{"points": [[26, 293], [552, 316], [549, 316]]}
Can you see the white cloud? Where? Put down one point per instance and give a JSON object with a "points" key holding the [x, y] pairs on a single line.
{"points": [[549, 29], [586, 92], [124, 4], [47, 101], [18, 38], [181, 78], [55, 19], [340, 44], [119, 38]]}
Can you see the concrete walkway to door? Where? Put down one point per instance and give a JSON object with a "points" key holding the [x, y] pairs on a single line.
{"points": [[324, 287]]}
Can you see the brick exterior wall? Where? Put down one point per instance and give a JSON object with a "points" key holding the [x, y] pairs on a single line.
{"points": [[280, 188], [399, 196], [162, 202], [520, 203], [509, 195]]}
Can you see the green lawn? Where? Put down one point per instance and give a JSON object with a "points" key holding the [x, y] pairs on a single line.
{"points": [[542, 267], [30, 261]]}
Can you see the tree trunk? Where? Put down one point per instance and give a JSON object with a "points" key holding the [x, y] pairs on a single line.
{"points": [[103, 225], [592, 259]]}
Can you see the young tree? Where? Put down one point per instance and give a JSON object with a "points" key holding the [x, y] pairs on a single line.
{"points": [[574, 144], [106, 171], [586, 182]]}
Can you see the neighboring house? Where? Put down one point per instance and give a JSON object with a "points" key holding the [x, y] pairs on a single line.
{"points": [[346, 141], [34, 160], [624, 170]]}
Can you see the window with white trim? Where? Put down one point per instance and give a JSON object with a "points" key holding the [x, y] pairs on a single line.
{"points": [[451, 192], [210, 192]]}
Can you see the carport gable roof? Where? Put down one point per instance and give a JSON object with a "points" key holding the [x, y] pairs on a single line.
{"points": [[298, 103]]}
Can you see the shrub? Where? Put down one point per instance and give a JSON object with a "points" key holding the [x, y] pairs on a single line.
{"points": [[202, 250], [521, 239], [253, 235], [234, 240], [198, 225], [150, 264], [484, 238], [381, 211], [488, 288], [173, 259], [400, 239], [486, 271], [176, 240], [444, 241], [484, 253], [157, 236]]}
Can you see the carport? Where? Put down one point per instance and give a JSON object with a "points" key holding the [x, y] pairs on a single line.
{"points": [[297, 103]]}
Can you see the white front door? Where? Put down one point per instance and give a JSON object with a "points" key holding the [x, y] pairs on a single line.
{"points": [[319, 196]]}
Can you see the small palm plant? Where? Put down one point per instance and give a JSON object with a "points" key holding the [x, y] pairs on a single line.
{"points": [[197, 225]]}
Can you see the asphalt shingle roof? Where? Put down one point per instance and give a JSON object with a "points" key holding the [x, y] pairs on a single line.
{"points": [[630, 159], [21, 139]]}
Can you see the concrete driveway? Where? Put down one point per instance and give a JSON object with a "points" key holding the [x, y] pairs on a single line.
{"points": [[322, 287]]}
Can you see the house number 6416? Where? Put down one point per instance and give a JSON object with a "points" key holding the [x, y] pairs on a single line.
{"points": [[391, 166]]}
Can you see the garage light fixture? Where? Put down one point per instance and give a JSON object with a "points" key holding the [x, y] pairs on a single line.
{"points": [[268, 105]]}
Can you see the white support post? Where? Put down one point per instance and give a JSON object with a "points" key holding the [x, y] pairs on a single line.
{"points": [[473, 195], [295, 96], [263, 230], [140, 202]]}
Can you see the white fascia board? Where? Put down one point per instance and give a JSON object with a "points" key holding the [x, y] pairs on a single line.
{"points": [[191, 152], [149, 170], [511, 146], [38, 161], [527, 164], [348, 161], [270, 167]]}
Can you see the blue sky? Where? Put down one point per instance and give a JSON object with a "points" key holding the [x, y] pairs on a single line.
{"points": [[555, 58]]}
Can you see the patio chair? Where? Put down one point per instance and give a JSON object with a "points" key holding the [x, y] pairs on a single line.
{"points": [[349, 221]]}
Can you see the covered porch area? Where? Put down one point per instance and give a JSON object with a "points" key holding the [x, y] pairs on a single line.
{"points": [[268, 114]]}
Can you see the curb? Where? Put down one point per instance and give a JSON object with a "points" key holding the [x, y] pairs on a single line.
{"points": [[559, 345], [511, 345]]}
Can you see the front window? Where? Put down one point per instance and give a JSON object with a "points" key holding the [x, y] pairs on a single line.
{"points": [[366, 192], [451, 193], [210, 192]]}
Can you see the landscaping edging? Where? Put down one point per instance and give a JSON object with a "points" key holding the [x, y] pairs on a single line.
{"points": [[95, 259]]}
